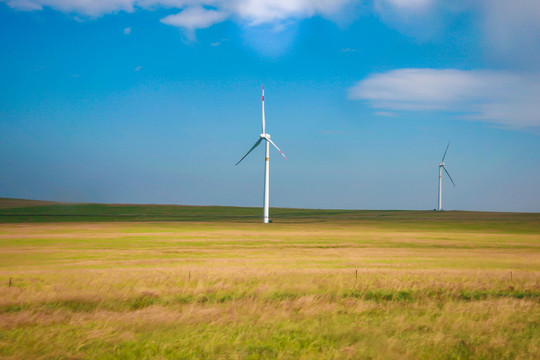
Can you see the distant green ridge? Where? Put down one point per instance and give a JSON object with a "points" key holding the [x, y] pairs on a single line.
{"points": [[22, 211]]}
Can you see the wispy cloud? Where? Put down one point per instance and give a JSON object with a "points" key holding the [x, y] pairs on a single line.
{"points": [[386, 113], [82, 7], [508, 99], [510, 29], [405, 6], [415, 18], [509, 32], [218, 43], [257, 12], [196, 17], [196, 14]]}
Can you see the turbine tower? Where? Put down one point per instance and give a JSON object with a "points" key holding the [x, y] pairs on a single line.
{"points": [[266, 137], [441, 167]]}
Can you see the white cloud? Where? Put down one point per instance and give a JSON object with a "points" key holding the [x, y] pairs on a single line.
{"points": [[266, 11], [510, 28], [503, 98], [406, 5], [127, 31], [26, 5], [507, 31], [403, 13], [138, 68], [195, 18], [83, 7], [195, 13]]}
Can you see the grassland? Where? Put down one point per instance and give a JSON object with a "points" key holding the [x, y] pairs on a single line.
{"points": [[91, 281]]}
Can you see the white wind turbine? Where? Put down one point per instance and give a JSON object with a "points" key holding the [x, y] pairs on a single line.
{"points": [[441, 167], [266, 137]]}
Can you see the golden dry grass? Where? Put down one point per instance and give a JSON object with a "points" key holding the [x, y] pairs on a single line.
{"points": [[340, 290]]}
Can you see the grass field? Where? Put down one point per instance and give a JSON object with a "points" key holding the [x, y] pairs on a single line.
{"points": [[91, 281]]}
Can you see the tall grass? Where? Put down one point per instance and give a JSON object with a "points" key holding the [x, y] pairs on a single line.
{"points": [[346, 289]]}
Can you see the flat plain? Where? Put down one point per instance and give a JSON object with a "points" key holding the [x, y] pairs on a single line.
{"points": [[93, 281]]}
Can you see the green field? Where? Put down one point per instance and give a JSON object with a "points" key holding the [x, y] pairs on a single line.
{"points": [[93, 281]]}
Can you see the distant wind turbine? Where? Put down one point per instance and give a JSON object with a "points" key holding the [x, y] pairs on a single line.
{"points": [[266, 137], [441, 167]]}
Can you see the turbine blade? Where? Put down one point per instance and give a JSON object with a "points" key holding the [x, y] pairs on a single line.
{"points": [[445, 152], [271, 142], [263, 122], [250, 150], [447, 173]]}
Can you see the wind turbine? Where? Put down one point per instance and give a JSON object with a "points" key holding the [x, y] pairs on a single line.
{"points": [[266, 137], [441, 167]]}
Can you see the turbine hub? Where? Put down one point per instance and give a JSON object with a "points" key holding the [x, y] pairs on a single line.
{"points": [[265, 136]]}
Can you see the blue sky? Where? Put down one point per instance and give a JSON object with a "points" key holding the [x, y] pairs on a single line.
{"points": [[149, 101]]}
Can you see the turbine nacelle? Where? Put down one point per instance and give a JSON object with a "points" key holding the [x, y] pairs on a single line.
{"points": [[263, 136]]}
